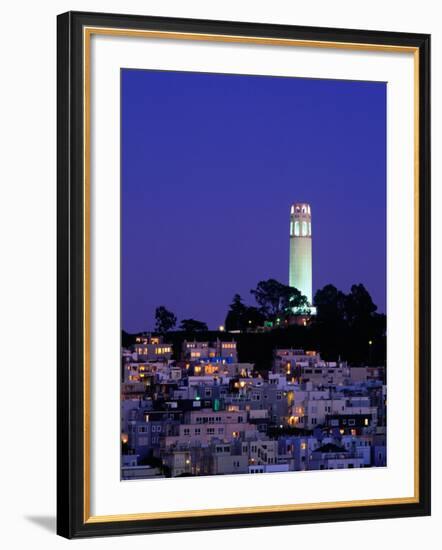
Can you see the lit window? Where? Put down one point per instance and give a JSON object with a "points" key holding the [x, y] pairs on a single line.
{"points": [[304, 229], [296, 229], [291, 228]]}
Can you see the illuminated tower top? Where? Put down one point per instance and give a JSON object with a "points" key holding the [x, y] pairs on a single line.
{"points": [[300, 220]]}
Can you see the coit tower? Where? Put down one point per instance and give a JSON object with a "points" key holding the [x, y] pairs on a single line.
{"points": [[300, 269]]}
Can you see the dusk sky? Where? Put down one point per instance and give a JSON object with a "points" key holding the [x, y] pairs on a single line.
{"points": [[210, 166]]}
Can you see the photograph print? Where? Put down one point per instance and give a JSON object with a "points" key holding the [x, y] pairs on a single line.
{"points": [[253, 274]]}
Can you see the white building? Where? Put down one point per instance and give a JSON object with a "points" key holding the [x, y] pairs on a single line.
{"points": [[151, 348], [209, 351]]}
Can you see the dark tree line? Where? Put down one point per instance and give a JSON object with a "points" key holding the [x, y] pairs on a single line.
{"points": [[241, 317], [277, 302], [345, 325], [349, 324], [166, 320]]}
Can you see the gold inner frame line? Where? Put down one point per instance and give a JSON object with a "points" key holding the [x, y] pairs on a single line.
{"points": [[87, 34]]}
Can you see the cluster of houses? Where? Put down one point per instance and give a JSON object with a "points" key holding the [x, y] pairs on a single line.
{"points": [[208, 414]]}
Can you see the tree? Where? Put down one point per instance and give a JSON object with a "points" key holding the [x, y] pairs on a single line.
{"points": [[235, 319], [330, 327], [192, 325], [164, 320], [253, 318], [367, 328], [348, 324], [359, 306], [278, 300], [269, 295], [295, 302], [331, 304], [243, 317]]}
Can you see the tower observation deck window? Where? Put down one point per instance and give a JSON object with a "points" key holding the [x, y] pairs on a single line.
{"points": [[296, 229], [304, 229]]}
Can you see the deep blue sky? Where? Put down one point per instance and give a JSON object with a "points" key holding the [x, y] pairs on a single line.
{"points": [[210, 166]]}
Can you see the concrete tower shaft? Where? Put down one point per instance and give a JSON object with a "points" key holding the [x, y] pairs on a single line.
{"points": [[300, 268]]}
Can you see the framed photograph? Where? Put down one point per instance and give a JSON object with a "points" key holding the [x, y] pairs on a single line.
{"points": [[243, 274]]}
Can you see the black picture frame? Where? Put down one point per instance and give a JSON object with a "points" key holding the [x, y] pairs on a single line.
{"points": [[71, 518]]}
